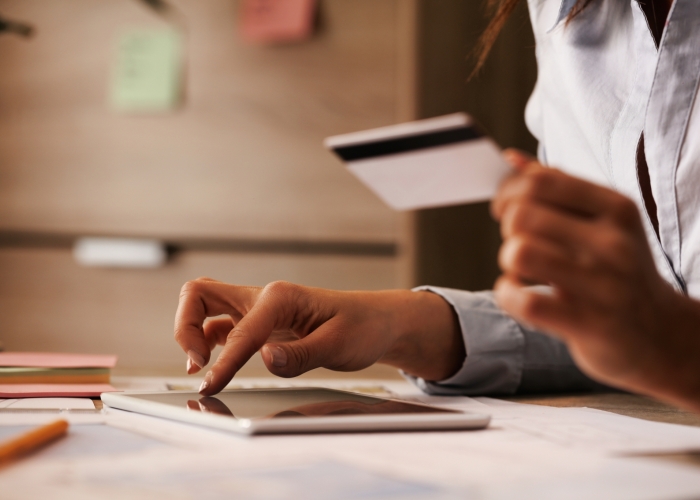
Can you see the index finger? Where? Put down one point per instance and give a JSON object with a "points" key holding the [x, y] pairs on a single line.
{"points": [[555, 188], [203, 298], [271, 311]]}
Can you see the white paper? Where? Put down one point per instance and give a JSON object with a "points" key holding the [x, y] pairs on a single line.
{"points": [[596, 430]]}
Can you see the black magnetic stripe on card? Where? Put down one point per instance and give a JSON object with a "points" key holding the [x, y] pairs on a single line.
{"points": [[405, 144]]}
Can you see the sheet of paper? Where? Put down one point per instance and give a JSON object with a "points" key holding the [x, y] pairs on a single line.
{"points": [[276, 21], [596, 430], [53, 390], [56, 360], [148, 71]]}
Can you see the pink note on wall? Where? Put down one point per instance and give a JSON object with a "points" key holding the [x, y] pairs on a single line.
{"points": [[56, 360], [277, 21]]}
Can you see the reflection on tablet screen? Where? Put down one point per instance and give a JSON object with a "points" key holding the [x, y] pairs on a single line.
{"points": [[283, 403]]}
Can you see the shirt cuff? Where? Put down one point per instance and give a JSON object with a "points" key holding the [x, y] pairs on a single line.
{"points": [[494, 344]]}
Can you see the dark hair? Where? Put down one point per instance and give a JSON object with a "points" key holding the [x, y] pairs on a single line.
{"points": [[502, 10]]}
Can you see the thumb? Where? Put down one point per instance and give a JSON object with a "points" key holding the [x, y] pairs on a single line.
{"points": [[294, 358], [290, 359]]}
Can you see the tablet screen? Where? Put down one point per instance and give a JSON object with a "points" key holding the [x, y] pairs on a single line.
{"points": [[287, 402]]}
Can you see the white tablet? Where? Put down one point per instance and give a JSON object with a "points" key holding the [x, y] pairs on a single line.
{"points": [[293, 410]]}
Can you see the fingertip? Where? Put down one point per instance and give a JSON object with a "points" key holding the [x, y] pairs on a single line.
{"points": [[191, 367], [195, 362], [196, 358], [206, 389], [517, 159]]}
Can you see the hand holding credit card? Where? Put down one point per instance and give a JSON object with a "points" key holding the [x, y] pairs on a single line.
{"points": [[428, 163]]}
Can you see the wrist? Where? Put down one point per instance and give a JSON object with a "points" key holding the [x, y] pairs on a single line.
{"points": [[426, 337], [682, 381]]}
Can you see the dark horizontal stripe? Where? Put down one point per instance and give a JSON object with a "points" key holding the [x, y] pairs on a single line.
{"points": [[26, 239], [405, 144]]}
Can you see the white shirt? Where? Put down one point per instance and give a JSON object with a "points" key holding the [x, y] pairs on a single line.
{"points": [[601, 83]]}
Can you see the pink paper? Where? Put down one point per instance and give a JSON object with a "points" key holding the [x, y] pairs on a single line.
{"points": [[56, 360], [53, 390], [275, 21]]}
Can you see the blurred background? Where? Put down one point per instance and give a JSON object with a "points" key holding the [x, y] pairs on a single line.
{"points": [[221, 160]]}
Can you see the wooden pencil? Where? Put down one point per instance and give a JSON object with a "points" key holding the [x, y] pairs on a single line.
{"points": [[32, 440]]}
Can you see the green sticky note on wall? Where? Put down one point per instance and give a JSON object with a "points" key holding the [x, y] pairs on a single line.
{"points": [[148, 71]]}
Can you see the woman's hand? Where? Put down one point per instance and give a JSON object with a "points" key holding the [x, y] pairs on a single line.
{"points": [[623, 323], [298, 328]]}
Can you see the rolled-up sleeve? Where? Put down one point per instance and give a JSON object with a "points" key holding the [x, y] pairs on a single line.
{"points": [[503, 357]]}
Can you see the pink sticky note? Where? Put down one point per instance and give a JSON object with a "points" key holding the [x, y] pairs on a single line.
{"points": [[54, 390], [276, 21], [56, 360]]}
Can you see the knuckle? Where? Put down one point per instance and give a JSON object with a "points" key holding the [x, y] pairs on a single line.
{"points": [[241, 338], [618, 245], [283, 293], [624, 211], [279, 288], [523, 217], [239, 346], [538, 182], [195, 286], [623, 254], [188, 288], [179, 335]]}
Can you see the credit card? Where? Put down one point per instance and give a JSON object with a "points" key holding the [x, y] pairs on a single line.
{"points": [[427, 163]]}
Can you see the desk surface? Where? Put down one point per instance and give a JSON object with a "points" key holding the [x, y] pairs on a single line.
{"points": [[630, 405], [477, 453]]}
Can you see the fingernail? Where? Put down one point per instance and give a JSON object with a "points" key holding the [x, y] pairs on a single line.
{"points": [[189, 365], [205, 382], [279, 357], [196, 358]]}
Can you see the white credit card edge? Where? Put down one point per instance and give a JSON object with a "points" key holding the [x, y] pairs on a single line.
{"points": [[400, 130], [466, 172]]}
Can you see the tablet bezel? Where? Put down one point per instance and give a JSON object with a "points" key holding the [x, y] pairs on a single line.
{"points": [[287, 425]]}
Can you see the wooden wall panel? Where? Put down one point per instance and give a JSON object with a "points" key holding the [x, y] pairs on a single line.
{"points": [[457, 246], [47, 302], [242, 158]]}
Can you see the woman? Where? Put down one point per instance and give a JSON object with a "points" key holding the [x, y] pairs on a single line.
{"points": [[614, 236]]}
